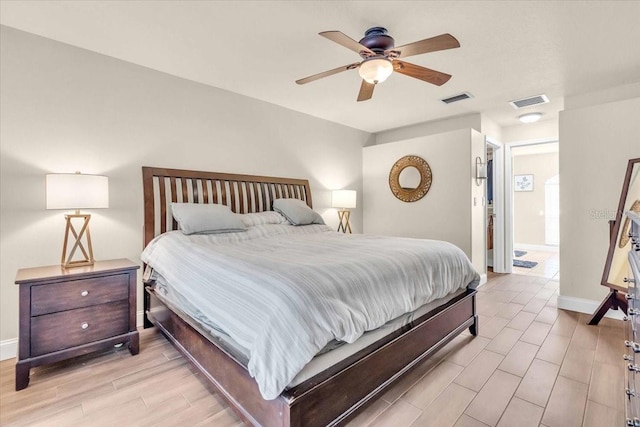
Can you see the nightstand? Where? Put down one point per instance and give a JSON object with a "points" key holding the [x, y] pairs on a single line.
{"points": [[69, 312]]}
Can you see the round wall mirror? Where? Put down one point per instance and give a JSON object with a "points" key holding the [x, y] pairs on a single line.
{"points": [[410, 178]]}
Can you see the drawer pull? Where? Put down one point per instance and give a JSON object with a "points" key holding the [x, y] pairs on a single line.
{"points": [[85, 325], [627, 357], [634, 345], [627, 280], [633, 368], [84, 293], [630, 392], [633, 311]]}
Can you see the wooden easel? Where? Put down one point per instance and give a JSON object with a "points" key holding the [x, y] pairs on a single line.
{"points": [[614, 301]]}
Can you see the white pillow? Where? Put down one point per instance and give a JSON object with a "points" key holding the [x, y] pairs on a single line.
{"points": [[261, 218], [297, 212], [206, 218]]}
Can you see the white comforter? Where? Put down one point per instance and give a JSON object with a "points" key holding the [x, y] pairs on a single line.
{"points": [[284, 292]]}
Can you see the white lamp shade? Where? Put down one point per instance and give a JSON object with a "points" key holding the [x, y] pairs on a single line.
{"points": [[344, 199], [77, 191], [375, 70]]}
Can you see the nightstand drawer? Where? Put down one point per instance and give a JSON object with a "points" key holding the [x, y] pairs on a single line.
{"points": [[78, 293], [57, 331]]}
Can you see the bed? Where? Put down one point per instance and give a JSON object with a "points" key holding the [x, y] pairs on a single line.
{"points": [[328, 396]]}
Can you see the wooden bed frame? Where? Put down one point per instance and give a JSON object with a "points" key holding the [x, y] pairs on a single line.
{"points": [[334, 395]]}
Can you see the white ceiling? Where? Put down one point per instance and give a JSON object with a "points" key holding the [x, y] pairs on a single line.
{"points": [[509, 50]]}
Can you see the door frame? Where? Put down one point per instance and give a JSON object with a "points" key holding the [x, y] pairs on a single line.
{"points": [[508, 192]]}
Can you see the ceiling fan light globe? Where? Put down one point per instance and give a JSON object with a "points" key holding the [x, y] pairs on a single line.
{"points": [[375, 70]]}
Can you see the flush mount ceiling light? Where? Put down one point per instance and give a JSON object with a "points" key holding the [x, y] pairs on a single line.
{"points": [[530, 117], [375, 70]]}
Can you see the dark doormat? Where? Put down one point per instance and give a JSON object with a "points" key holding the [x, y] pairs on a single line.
{"points": [[518, 254], [525, 264]]}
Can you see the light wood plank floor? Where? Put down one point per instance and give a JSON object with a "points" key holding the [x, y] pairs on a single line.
{"points": [[531, 365]]}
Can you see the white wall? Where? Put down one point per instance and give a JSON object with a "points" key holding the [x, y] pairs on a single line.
{"points": [[529, 206], [544, 130], [65, 109], [468, 121], [491, 129], [447, 211], [596, 142]]}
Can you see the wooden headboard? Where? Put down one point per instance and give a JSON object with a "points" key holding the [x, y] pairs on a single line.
{"points": [[242, 193]]}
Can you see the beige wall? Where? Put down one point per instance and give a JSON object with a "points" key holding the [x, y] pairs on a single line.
{"points": [[529, 207], [544, 130], [64, 109], [447, 211], [596, 143], [467, 121]]}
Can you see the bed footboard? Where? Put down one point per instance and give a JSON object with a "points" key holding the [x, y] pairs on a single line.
{"points": [[326, 400]]}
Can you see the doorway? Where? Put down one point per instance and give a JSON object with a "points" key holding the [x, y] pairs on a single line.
{"points": [[533, 201], [495, 213]]}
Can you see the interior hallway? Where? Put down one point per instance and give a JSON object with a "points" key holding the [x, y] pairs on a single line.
{"points": [[548, 264]]}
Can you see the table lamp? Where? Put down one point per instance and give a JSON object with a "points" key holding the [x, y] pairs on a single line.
{"points": [[77, 191], [344, 200]]}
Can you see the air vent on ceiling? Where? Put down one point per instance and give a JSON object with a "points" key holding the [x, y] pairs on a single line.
{"points": [[528, 102], [456, 98]]}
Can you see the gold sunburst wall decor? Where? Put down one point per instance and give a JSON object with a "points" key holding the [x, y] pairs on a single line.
{"points": [[410, 194]]}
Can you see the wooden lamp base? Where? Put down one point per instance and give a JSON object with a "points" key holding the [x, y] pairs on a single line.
{"points": [[344, 215], [67, 260]]}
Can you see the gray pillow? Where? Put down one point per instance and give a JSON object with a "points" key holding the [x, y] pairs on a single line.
{"points": [[261, 218], [206, 218], [297, 212]]}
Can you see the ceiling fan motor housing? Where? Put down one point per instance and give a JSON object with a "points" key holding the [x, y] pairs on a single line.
{"points": [[377, 39]]}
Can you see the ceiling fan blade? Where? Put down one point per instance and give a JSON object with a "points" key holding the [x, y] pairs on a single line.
{"points": [[366, 91], [346, 41], [328, 73], [421, 73], [441, 42]]}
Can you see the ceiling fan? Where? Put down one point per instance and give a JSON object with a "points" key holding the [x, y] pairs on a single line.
{"points": [[380, 58]]}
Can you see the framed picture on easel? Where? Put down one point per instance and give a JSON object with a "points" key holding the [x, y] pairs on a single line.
{"points": [[616, 267]]}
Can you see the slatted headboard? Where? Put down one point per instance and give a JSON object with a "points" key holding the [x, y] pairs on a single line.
{"points": [[242, 193]]}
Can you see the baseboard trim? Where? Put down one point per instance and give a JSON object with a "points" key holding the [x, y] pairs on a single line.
{"points": [[539, 248], [483, 280], [8, 349], [586, 306]]}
